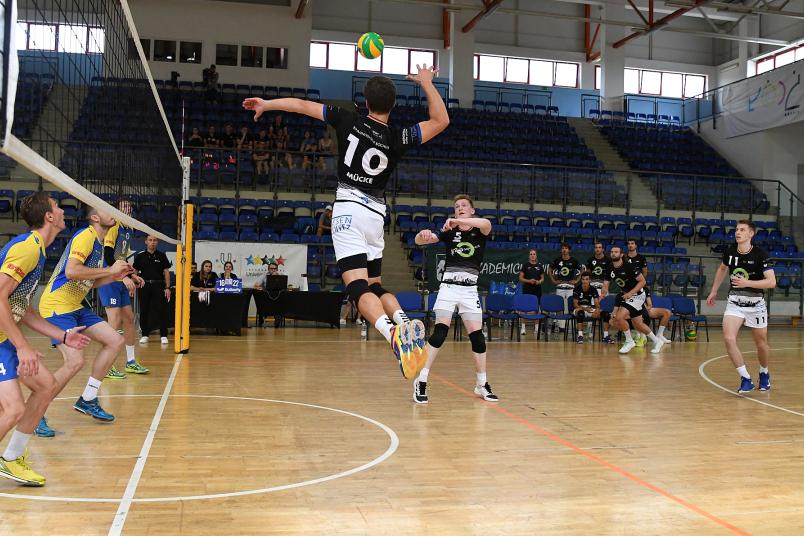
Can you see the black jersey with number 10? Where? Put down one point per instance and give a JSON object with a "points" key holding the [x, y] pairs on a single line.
{"points": [[368, 151]]}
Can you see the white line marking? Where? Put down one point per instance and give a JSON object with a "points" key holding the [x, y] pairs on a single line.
{"points": [[705, 377], [392, 448], [136, 473]]}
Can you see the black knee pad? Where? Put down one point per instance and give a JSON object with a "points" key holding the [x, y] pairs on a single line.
{"points": [[605, 317], [439, 335], [377, 289], [580, 316], [478, 342], [356, 289], [374, 267]]}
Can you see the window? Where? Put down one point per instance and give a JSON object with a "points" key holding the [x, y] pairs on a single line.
{"points": [[344, 57], [631, 81], [598, 76], [780, 59], [226, 55], [73, 39], [341, 57], [672, 84], [318, 55], [566, 74], [164, 50], [765, 65], [41, 37], [492, 69], [651, 83], [516, 70], [96, 43], [541, 73], [800, 53], [189, 52], [395, 60], [251, 56], [132, 50], [22, 36], [785, 58], [276, 58], [694, 85]]}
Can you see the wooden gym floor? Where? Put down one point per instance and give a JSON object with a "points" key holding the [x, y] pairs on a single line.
{"points": [[310, 431]]}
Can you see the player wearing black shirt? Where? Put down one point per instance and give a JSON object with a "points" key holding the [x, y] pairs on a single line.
{"points": [[565, 272], [635, 259], [598, 265], [630, 300], [369, 150], [531, 276], [585, 303], [750, 274], [464, 237]]}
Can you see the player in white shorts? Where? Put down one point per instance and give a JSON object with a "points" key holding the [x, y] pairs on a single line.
{"points": [[750, 274], [464, 237], [369, 151]]}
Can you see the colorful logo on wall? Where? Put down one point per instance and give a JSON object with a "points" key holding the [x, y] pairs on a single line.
{"points": [[251, 260]]}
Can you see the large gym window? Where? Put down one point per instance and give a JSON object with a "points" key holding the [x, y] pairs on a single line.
{"points": [[73, 38], [780, 59], [344, 57], [658, 83], [534, 72]]}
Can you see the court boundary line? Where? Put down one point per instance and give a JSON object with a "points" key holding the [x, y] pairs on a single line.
{"points": [[597, 459], [390, 451], [123, 508], [744, 396]]}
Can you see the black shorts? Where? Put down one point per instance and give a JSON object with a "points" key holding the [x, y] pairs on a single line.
{"points": [[533, 291], [634, 306]]}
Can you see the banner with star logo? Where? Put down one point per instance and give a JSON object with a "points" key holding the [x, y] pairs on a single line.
{"points": [[251, 259]]}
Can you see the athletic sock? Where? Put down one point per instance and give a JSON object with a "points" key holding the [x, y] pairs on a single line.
{"points": [[91, 390], [481, 378], [628, 337], [384, 325], [580, 333], [763, 370], [660, 331], [742, 371], [16, 446], [400, 317], [423, 374], [652, 337], [605, 334], [130, 354]]}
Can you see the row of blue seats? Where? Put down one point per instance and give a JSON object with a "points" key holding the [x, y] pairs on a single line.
{"points": [[614, 117]]}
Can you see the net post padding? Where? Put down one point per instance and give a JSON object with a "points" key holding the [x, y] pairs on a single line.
{"points": [[24, 155], [184, 260]]}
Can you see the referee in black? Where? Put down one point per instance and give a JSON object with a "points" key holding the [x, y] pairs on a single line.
{"points": [[154, 267]]}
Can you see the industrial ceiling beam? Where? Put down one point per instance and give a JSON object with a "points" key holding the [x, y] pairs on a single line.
{"points": [[659, 23], [445, 26], [742, 8], [300, 9], [491, 7]]}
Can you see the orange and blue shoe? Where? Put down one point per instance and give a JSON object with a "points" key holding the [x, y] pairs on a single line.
{"points": [[402, 346], [418, 335]]}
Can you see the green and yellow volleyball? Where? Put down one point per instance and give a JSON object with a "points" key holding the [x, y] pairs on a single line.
{"points": [[691, 333], [370, 45]]}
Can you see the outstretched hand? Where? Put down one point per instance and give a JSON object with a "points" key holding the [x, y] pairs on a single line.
{"points": [[425, 74], [257, 105]]}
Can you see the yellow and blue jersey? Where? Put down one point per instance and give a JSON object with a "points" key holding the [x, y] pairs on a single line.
{"points": [[22, 259], [119, 239], [63, 295]]}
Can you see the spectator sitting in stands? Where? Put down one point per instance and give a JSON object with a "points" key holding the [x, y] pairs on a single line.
{"points": [[284, 158], [193, 270], [195, 139], [210, 81], [228, 271], [325, 143], [308, 143], [228, 138], [279, 123], [245, 141], [212, 139], [325, 222], [261, 155], [205, 279]]}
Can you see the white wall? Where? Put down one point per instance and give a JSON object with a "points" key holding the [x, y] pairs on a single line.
{"points": [[233, 23]]}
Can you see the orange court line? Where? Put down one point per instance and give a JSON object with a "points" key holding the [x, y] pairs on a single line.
{"points": [[597, 459]]}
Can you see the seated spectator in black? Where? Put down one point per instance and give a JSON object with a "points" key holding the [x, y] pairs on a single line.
{"points": [[212, 139], [205, 279], [195, 139], [210, 82], [245, 141], [325, 144], [306, 163], [193, 270], [308, 143], [279, 123], [228, 138], [325, 222], [261, 154], [228, 271], [531, 276], [585, 303], [284, 158], [273, 269]]}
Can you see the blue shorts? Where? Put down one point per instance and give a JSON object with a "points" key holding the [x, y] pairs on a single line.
{"points": [[8, 361], [80, 317], [114, 295]]}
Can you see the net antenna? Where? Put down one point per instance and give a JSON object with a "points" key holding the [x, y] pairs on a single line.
{"points": [[81, 111]]}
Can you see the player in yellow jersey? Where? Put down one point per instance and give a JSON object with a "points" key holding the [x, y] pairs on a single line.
{"points": [[21, 263], [79, 270], [116, 297]]}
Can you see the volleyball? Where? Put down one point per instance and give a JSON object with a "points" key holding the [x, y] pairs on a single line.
{"points": [[370, 45], [691, 333]]}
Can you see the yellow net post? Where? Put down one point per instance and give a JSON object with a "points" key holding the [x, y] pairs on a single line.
{"points": [[184, 260]]}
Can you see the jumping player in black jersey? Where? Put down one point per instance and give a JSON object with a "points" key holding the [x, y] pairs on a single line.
{"points": [[464, 237], [750, 274], [369, 151], [598, 265], [630, 300]]}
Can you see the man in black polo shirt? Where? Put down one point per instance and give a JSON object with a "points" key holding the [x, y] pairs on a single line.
{"points": [[532, 276], [154, 267]]}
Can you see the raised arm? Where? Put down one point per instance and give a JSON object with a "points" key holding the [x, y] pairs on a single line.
{"points": [[426, 237], [439, 118], [299, 106], [482, 224]]}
